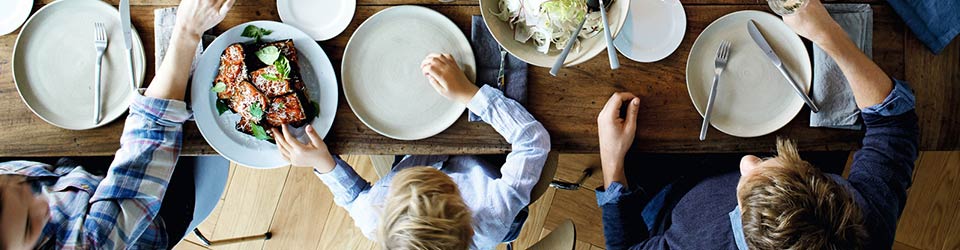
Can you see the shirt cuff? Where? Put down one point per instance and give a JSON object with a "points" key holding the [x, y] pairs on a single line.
{"points": [[482, 100], [613, 194], [343, 181], [162, 111], [900, 100]]}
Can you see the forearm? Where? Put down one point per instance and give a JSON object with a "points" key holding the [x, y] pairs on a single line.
{"points": [[171, 79], [612, 167], [869, 83]]}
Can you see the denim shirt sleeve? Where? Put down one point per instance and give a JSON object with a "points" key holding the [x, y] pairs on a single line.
{"points": [[899, 101], [882, 169], [623, 225]]}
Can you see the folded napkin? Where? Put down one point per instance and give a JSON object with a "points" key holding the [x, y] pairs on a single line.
{"points": [[935, 22], [487, 53], [831, 91]]}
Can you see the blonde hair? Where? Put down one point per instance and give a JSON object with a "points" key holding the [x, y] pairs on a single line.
{"points": [[795, 206], [424, 210]]}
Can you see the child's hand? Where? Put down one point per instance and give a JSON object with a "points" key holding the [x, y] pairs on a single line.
{"points": [[616, 135], [196, 16], [447, 78], [313, 154]]}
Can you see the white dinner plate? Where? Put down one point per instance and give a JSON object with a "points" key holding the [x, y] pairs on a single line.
{"points": [[219, 130], [13, 13], [381, 73], [652, 31], [753, 98], [321, 19], [54, 58]]}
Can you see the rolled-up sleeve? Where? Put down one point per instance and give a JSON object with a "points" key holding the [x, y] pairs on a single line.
{"points": [[623, 225], [128, 198]]}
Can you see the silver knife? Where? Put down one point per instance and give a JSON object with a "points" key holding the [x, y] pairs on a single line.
{"points": [[128, 40], [762, 43], [501, 80]]}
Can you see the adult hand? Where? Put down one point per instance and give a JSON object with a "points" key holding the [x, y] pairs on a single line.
{"points": [[313, 154], [616, 134], [446, 77], [813, 22], [196, 16]]}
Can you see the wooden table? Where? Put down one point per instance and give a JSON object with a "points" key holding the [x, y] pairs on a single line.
{"points": [[566, 105]]}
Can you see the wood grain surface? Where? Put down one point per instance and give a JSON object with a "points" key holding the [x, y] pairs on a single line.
{"points": [[567, 105]]}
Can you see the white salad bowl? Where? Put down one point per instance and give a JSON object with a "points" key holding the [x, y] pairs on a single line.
{"points": [[504, 34]]}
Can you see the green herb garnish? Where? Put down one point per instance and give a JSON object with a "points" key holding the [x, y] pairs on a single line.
{"points": [[222, 106], [270, 77], [256, 111], [255, 32], [259, 132], [283, 67], [316, 108], [219, 87], [268, 55]]}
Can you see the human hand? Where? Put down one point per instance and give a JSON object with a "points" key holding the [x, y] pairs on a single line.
{"points": [[196, 16], [446, 77], [813, 22], [616, 135], [314, 154]]}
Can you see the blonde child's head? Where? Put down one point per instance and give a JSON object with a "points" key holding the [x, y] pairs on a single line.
{"points": [[424, 210]]}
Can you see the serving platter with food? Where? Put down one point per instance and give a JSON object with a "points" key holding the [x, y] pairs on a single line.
{"points": [[258, 76]]}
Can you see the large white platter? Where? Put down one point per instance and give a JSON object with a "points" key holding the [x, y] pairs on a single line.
{"points": [[382, 80], [753, 98], [653, 30], [219, 130], [54, 58]]}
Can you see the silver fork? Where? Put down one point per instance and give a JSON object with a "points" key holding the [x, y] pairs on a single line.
{"points": [[723, 53], [100, 43]]}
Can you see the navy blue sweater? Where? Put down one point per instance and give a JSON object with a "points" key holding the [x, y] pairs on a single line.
{"points": [[878, 180]]}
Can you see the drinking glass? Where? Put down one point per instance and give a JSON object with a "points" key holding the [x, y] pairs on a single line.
{"points": [[786, 7]]}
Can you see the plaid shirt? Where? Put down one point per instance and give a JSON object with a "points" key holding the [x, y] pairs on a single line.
{"points": [[119, 210]]}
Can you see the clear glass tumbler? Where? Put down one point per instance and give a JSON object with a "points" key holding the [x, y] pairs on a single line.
{"points": [[786, 7]]}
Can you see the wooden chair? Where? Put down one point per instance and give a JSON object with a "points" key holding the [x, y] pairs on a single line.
{"points": [[564, 237]]}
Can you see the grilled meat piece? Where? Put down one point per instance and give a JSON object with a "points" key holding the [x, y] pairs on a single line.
{"points": [[233, 70], [274, 87], [246, 96], [287, 109]]}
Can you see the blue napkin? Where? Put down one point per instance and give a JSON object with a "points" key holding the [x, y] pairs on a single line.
{"points": [[487, 53], [831, 91], [935, 22]]}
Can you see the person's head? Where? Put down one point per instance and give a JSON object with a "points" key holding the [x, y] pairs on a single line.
{"points": [[22, 214], [425, 211], [786, 203]]}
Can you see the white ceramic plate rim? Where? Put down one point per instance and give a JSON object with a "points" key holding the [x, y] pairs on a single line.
{"points": [[204, 109], [332, 29], [674, 39], [19, 15], [104, 120], [794, 39], [448, 120]]}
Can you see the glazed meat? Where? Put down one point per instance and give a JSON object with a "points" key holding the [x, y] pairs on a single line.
{"points": [[245, 97], [286, 109], [232, 70], [274, 87]]}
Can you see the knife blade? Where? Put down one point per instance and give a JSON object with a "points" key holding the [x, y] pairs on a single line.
{"points": [[767, 50], [127, 31]]}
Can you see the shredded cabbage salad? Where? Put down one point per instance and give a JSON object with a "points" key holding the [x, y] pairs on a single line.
{"points": [[549, 22]]}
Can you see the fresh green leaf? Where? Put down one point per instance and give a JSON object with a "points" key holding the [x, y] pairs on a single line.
{"points": [[255, 32], [259, 132], [270, 77], [222, 106], [283, 67], [268, 55], [219, 87], [316, 108], [256, 111]]}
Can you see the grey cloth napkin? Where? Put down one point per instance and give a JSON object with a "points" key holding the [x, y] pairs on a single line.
{"points": [[487, 53], [831, 91]]}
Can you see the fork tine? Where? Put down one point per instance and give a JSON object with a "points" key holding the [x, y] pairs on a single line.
{"points": [[726, 50]]}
